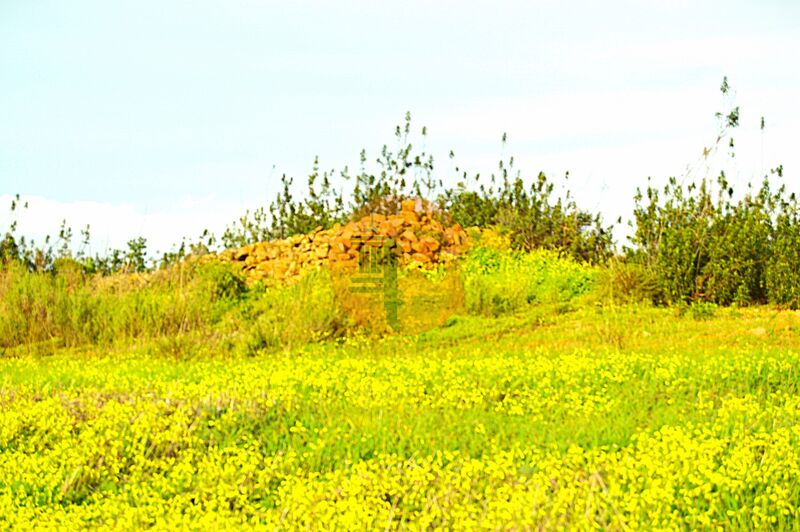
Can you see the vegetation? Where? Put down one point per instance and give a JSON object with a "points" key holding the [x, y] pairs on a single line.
{"points": [[533, 383], [43, 311], [699, 244], [536, 419], [533, 217], [695, 241], [502, 282]]}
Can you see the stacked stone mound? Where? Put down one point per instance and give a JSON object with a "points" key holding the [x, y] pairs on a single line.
{"points": [[416, 233]]}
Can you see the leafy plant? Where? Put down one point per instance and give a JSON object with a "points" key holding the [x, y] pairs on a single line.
{"points": [[499, 282], [703, 310], [699, 244]]}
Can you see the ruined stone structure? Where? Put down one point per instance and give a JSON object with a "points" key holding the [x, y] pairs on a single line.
{"points": [[417, 236]]}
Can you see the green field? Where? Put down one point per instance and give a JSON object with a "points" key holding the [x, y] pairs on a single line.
{"points": [[552, 416], [393, 340]]}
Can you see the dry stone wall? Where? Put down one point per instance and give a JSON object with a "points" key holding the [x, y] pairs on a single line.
{"points": [[417, 235]]}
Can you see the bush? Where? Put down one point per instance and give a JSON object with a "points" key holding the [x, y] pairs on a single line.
{"points": [[530, 213], [783, 269], [624, 281], [70, 308], [499, 282], [703, 310], [699, 245], [723, 252], [533, 219], [297, 313]]}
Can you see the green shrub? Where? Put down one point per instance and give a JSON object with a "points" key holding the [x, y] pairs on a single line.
{"points": [[703, 310], [530, 213], [725, 252], [783, 269], [499, 282], [533, 218], [625, 281], [71, 308], [297, 313], [698, 244]]}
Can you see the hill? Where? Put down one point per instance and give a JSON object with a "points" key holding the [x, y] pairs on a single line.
{"points": [[195, 397]]}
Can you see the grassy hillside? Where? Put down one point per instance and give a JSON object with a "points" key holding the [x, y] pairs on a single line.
{"points": [[188, 399], [362, 361], [207, 305]]}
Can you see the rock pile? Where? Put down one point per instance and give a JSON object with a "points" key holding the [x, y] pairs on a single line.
{"points": [[416, 235]]}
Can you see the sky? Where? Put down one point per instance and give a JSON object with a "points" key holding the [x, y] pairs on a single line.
{"points": [[162, 119]]}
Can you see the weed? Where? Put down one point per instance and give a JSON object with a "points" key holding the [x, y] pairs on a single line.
{"points": [[703, 310]]}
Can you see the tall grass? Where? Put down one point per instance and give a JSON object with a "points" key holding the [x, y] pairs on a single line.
{"points": [[67, 308], [44, 311], [297, 313], [500, 281]]}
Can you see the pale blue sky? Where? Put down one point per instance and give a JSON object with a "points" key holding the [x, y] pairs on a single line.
{"points": [[163, 118]]}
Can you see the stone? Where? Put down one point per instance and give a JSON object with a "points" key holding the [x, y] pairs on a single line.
{"points": [[388, 229], [430, 243], [322, 250], [410, 217], [417, 236], [409, 235]]}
